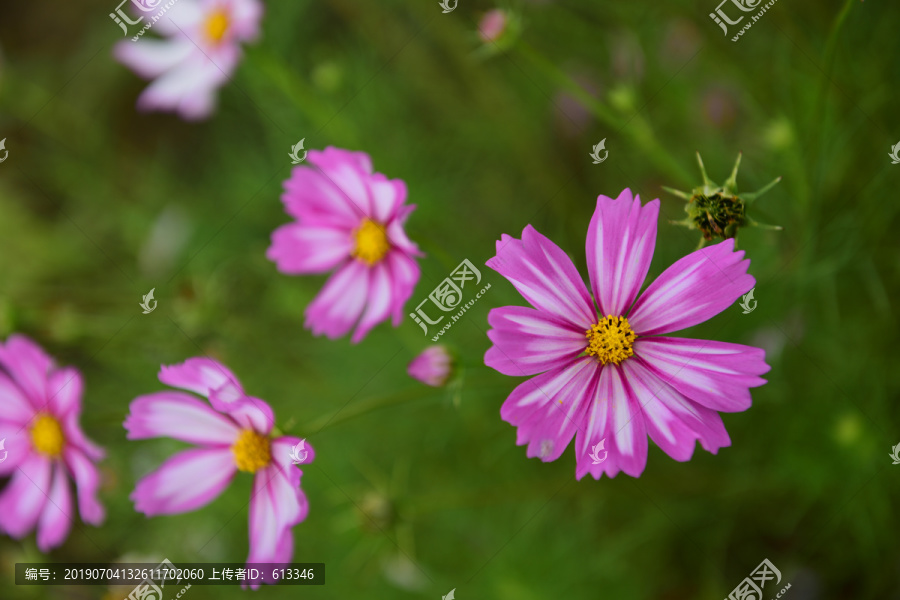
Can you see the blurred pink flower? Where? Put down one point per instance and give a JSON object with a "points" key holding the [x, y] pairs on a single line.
{"points": [[614, 378], [198, 57], [431, 367], [492, 25], [231, 435], [350, 220], [40, 406]]}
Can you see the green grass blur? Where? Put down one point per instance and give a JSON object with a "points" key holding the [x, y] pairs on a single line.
{"points": [[428, 492]]}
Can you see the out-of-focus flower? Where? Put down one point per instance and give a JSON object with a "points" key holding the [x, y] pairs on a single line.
{"points": [[40, 408], [719, 107], [498, 29], [718, 211], [350, 220], [613, 378], [201, 51], [680, 44], [232, 433], [432, 367]]}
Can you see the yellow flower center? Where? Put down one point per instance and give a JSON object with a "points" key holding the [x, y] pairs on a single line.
{"points": [[47, 436], [371, 242], [251, 451], [216, 25], [610, 340]]}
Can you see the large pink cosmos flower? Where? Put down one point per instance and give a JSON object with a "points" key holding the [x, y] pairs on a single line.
{"points": [[612, 378], [349, 219], [40, 406], [202, 49], [234, 434]]}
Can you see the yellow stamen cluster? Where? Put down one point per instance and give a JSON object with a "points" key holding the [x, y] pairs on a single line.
{"points": [[217, 25], [610, 340], [251, 451], [371, 242], [47, 436]]}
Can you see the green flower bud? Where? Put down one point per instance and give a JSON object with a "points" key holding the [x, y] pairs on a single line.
{"points": [[719, 211]]}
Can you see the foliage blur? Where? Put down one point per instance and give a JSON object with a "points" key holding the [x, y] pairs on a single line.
{"points": [[418, 490]]}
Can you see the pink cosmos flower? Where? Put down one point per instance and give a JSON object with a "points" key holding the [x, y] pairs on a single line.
{"points": [[613, 378], [232, 433], [432, 367], [40, 406], [350, 220], [200, 53]]}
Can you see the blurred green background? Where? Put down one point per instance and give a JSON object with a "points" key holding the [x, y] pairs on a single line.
{"points": [[415, 491]]}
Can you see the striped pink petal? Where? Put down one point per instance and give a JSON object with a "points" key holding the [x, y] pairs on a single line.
{"points": [[717, 375], [528, 341], [23, 499], [29, 366], [65, 387], [341, 302], [17, 408], [201, 376], [620, 243], [303, 249], [185, 482], [545, 276], [87, 483], [56, 519], [180, 416], [692, 290], [548, 409]]}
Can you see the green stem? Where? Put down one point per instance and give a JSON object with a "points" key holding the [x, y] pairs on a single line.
{"points": [[372, 404]]}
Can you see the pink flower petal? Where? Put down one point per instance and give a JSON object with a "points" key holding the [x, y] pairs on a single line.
{"points": [[692, 290], [432, 366], [277, 504], [404, 276], [528, 341], [29, 366], [348, 172], [717, 375], [87, 482], [56, 519], [201, 376], [673, 421], [74, 436], [248, 412], [65, 388], [185, 482], [23, 499], [378, 302], [150, 58], [340, 303], [545, 276], [614, 418], [388, 195], [17, 408], [620, 243], [314, 200], [549, 408], [16, 446], [180, 416], [302, 249]]}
